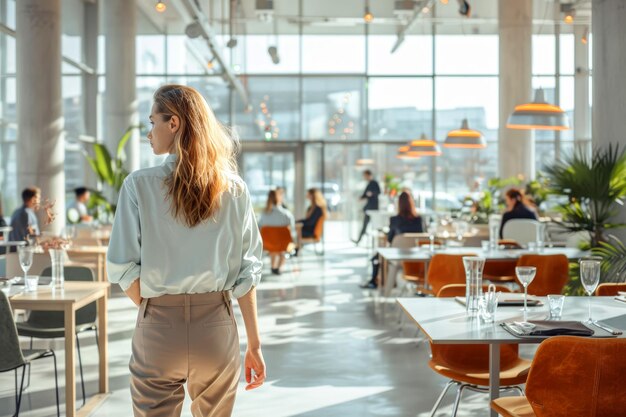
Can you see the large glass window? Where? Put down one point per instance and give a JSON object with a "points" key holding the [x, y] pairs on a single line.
{"points": [[461, 54], [333, 108], [333, 54], [399, 108], [414, 55]]}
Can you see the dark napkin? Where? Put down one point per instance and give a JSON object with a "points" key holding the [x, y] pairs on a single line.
{"points": [[559, 328]]}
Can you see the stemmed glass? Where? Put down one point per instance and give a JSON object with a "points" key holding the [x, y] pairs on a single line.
{"points": [[25, 254], [432, 232], [525, 274], [589, 277]]}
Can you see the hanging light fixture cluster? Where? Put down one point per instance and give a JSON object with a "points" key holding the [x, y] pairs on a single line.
{"points": [[464, 138]]}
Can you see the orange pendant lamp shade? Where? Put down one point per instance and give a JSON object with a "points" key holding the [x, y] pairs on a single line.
{"points": [[538, 115], [424, 147], [465, 138]]}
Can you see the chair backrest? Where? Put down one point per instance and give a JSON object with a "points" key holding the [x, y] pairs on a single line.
{"points": [[416, 268], [552, 273], [404, 241], [597, 366], [499, 268], [609, 289], [11, 356], [54, 319], [446, 269], [521, 230], [469, 357], [276, 238], [40, 262], [318, 231], [458, 290]]}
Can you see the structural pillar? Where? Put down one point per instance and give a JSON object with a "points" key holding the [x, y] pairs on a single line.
{"points": [[516, 149], [120, 24], [609, 88], [40, 144], [582, 110], [90, 82]]}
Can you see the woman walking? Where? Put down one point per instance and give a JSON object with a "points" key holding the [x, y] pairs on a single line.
{"points": [[184, 240]]}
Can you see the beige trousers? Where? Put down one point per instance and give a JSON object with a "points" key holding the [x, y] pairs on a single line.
{"points": [[185, 338]]}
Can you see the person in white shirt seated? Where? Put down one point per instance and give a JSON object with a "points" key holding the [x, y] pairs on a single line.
{"points": [[276, 215], [80, 206]]}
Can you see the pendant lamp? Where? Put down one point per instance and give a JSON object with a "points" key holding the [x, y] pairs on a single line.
{"points": [[538, 115], [465, 138], [403, 152], [424, 147]]}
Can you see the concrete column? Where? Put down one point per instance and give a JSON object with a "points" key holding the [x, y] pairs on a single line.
{"points": [[40, 145], [582, 111], [120, 24], [516, 149], [90, 81], [609, 88]]}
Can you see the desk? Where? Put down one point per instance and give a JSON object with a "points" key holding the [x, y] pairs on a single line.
{"points": [[443, 321], [423, 254], [97, 252], [73, 296]]}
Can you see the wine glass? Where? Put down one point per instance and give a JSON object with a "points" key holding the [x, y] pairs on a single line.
{"points": [[525, 274], [25, 254], [589, 277], [432, 232]]}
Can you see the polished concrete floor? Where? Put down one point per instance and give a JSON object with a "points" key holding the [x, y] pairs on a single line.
{"points": [[329, 349]]}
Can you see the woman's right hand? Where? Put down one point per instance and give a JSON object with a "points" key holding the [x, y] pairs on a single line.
{"points": [[254, 361]]}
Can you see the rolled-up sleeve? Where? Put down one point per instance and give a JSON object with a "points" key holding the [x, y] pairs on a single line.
{"points": [[124, 254], [251, 252]]}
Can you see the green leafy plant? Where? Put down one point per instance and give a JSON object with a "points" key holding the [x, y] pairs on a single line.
{"points": [[110, 172], [591, 186]]}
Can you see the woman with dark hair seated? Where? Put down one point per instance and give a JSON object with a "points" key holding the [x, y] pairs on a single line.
{"points": [[407, 221], [515, 208], [305, 228]]}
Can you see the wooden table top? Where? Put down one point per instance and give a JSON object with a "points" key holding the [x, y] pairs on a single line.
{"points": [[47, 298]]}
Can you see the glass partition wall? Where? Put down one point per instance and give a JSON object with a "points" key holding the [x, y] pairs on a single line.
{"points": [[338, 95]]}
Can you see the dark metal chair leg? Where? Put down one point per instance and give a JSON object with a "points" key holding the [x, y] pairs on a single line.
{"points": [[80, 366], [19, 395], [28, 364], [56, 383]]}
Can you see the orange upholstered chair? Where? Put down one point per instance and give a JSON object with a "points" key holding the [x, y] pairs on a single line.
{"points": [[500, 271], [609, 289], [318, 232], [415, 272], [467, 366], [552, 273], [276, 239], [445, 269], [458, 290], [572, 377]]}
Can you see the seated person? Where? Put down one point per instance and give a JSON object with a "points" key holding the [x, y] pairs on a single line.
{"points": [[24, 220], [80, 204], [275, 215], [3, 223], [515, 208], [305, 228], [407, 221]]}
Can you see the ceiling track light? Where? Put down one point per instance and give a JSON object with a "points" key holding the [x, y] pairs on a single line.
{"points": [[464, 8], [368, 16], [585, 36], [569, 12], [160, 6]]}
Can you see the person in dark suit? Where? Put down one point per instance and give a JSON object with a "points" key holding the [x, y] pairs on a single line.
{"points": [[407, 221], [515, 208], [305, 228], [370, 195]]}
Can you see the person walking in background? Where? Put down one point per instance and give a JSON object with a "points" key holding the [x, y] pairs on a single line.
{"points": [[275, 215], [515, 208], [184, 239], [305, 228], [80, 205], [407, 221], [370, 195], [24, 220]]}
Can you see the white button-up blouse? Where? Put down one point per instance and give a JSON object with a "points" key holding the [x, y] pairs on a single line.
{"points": [[148, 243]]}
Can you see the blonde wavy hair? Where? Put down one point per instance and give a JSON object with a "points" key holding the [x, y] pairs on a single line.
{"points": [[206, 152], [318, 201]]}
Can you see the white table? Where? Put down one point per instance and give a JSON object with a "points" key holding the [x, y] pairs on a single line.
{"points": [[423, 254], [443, 321]]}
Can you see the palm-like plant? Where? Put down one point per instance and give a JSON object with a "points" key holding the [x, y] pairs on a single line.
{"points": [[592, 185], [109, 170]]}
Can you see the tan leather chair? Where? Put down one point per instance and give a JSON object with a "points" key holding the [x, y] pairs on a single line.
{"points": [[609, 289], [552, 273], [467, 366], [446, 269], [572, 377]]}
